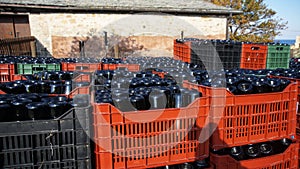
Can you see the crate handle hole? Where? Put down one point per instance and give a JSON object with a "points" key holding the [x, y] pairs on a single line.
{"points": [[255, 48]]}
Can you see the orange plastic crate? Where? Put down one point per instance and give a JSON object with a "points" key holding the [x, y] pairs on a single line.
{"points": [[18, 77], [130, 140], [81, 67], [298, 124], [254, 56], [246, 119], [286, 160], [107, 66], [298, 139], [6, 72], [83, 89], [160, 74], [82, 78], [130, 67], [182, 51]]}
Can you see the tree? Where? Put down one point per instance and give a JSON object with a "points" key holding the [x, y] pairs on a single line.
{"points": [[257, 23]]}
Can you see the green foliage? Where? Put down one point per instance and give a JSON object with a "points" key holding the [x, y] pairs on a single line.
{"points": [[257, 23]]}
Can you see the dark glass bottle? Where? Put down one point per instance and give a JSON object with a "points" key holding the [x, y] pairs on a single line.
{"points": [[274, 85], [138, 101], [237, 153], [157, 99], [30, 96], [6, 113], [67, 87], [177, 100], [44, 87], [56, 88], [37, 111], [252, 151], [260, 87], [245, 88], [266, 149], [57, 108], [20, 109]]}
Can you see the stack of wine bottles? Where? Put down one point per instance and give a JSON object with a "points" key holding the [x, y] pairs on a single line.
{"points": [[33, 106], [111, 61], [51, 82], [142, 90], [240, 81], [257, 150]]}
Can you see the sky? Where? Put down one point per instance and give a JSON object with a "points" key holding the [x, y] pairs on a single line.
{"points": [[289, 10]]}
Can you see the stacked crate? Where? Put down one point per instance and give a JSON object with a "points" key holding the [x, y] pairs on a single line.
{"points": [[254, 56], [209, 54], [57, 143], [252, 119], [135, 140], [278, 56], [80, 67], [28, 69], [7, 72], [217, 54], [63, 142]]}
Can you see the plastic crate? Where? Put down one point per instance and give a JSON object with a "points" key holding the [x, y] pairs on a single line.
{"points": [[298, 140], [70, 164], [254, 56], [209, 54], [18, 77], [130, 67], [34, 143], [28, 69], [6, 72], [298, 125], [216, 55], [182, 51], [286, 160], [229, 53], [80, 67], [122, 142], [107, 66], [278, 56], [246, 119]]}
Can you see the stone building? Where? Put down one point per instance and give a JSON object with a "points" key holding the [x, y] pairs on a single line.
{"points": [[143, 25]]}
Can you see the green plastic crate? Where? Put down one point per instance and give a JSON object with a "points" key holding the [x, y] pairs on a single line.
{"points": [[27, 69], [278, 56]]}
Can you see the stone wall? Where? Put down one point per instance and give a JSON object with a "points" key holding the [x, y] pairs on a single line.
{"points": [[146, 33]]}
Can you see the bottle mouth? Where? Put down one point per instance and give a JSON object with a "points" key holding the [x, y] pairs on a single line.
{"points": [[235, 151], [286, 142], [252, 151], [244, 86], [266, 148], [20, 102], [35, 105]]}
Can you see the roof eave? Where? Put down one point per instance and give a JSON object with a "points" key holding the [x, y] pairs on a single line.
{"points": [[24, 7]]}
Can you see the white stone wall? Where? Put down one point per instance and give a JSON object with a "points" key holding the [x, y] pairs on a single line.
{"points": [[297, 44], [45, 26]]}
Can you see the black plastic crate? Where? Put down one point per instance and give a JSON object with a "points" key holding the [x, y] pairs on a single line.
{"points": [[229, 53], [29, 143], [72, 164], [215, 54]]}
